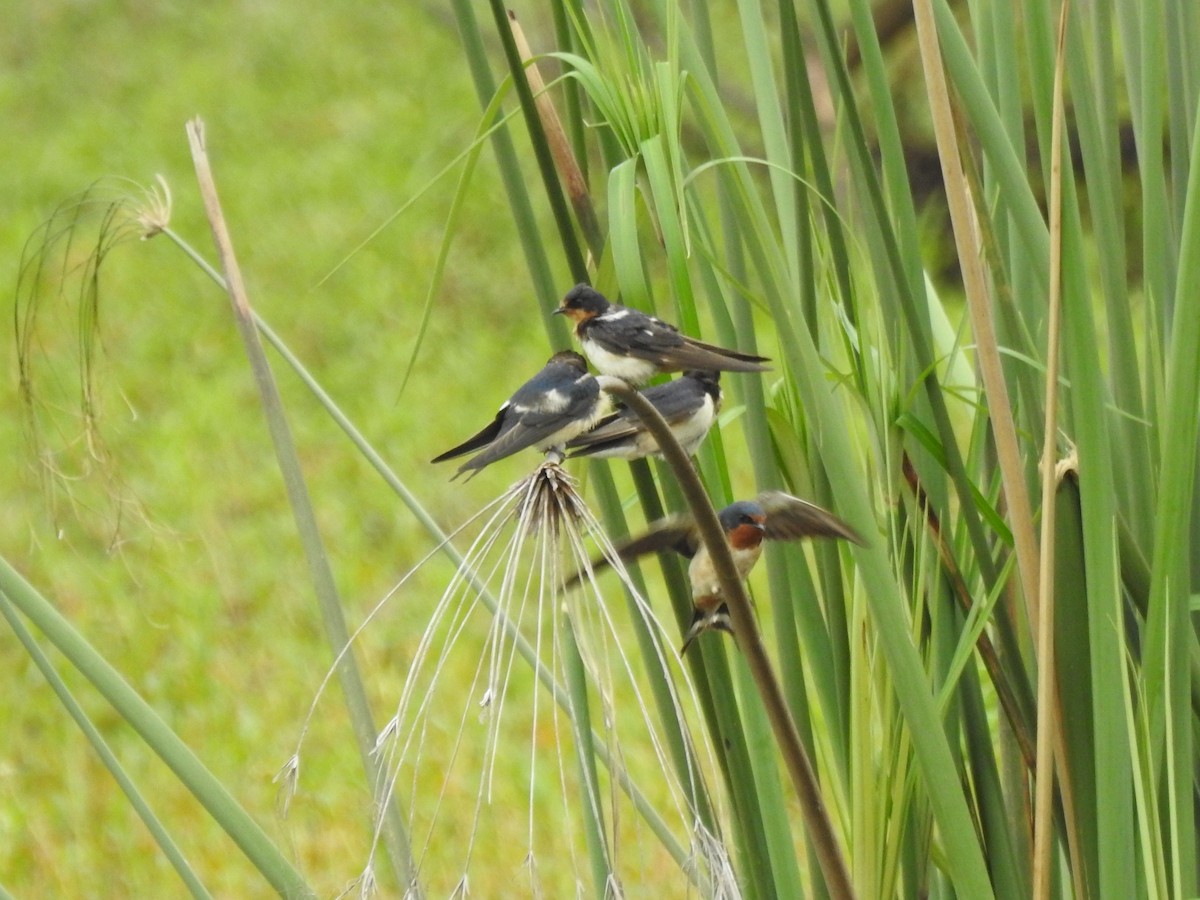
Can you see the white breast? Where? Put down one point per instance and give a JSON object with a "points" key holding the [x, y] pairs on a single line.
{"points": [[627, 368], [703, 578], [575, 427], [691, 433]]}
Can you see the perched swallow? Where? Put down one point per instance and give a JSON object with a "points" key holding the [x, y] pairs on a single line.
{"points": [[633, 346], [558, 403], [689, 404], [773, 515]]}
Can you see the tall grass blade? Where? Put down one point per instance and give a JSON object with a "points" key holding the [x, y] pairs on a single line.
{"points": [[1168, 623], [289, 463], [1049, 728]]}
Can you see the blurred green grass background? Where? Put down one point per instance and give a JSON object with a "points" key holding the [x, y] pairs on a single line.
{"points": [[321, 123]]}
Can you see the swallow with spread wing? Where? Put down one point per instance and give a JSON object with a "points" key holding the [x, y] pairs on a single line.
{"points": [[688, 404], [558, 403], [773, 515], [633, 346]]}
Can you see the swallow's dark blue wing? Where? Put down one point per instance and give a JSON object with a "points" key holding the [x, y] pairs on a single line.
{"points": [[676, 401], [629, 332], [554, 391], [790, 519], [676, 533], [561, 387], [482, 439], [545, 413]]}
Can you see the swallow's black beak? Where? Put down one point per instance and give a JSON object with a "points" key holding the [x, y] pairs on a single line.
{"points": [[559, 311]]}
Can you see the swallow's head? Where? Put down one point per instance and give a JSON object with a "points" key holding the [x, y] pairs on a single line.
{"points": [[709, 379], [744, 522], [569, 358], [582, 302]]}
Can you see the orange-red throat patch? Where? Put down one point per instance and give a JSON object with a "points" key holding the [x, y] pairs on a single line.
{"points": [[576, 315], [747, 535]]}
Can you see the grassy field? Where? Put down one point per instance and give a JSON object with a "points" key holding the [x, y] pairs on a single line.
{"points": [[177, 557]]}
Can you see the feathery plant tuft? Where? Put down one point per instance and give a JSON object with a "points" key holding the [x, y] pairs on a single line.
{"points": [[449, 731], [59, 347]]}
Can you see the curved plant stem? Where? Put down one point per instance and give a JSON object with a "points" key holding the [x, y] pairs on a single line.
{"points": [[812, 805]]}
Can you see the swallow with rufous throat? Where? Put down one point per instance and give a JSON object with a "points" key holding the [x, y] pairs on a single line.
{"points": [[773, 515], [633, 346], [689, 404], [559, 403]]}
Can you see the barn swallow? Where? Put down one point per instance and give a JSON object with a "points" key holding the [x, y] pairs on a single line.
{"points": [[558, 403], [689, 404], [773, 515], [633, 346]]}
